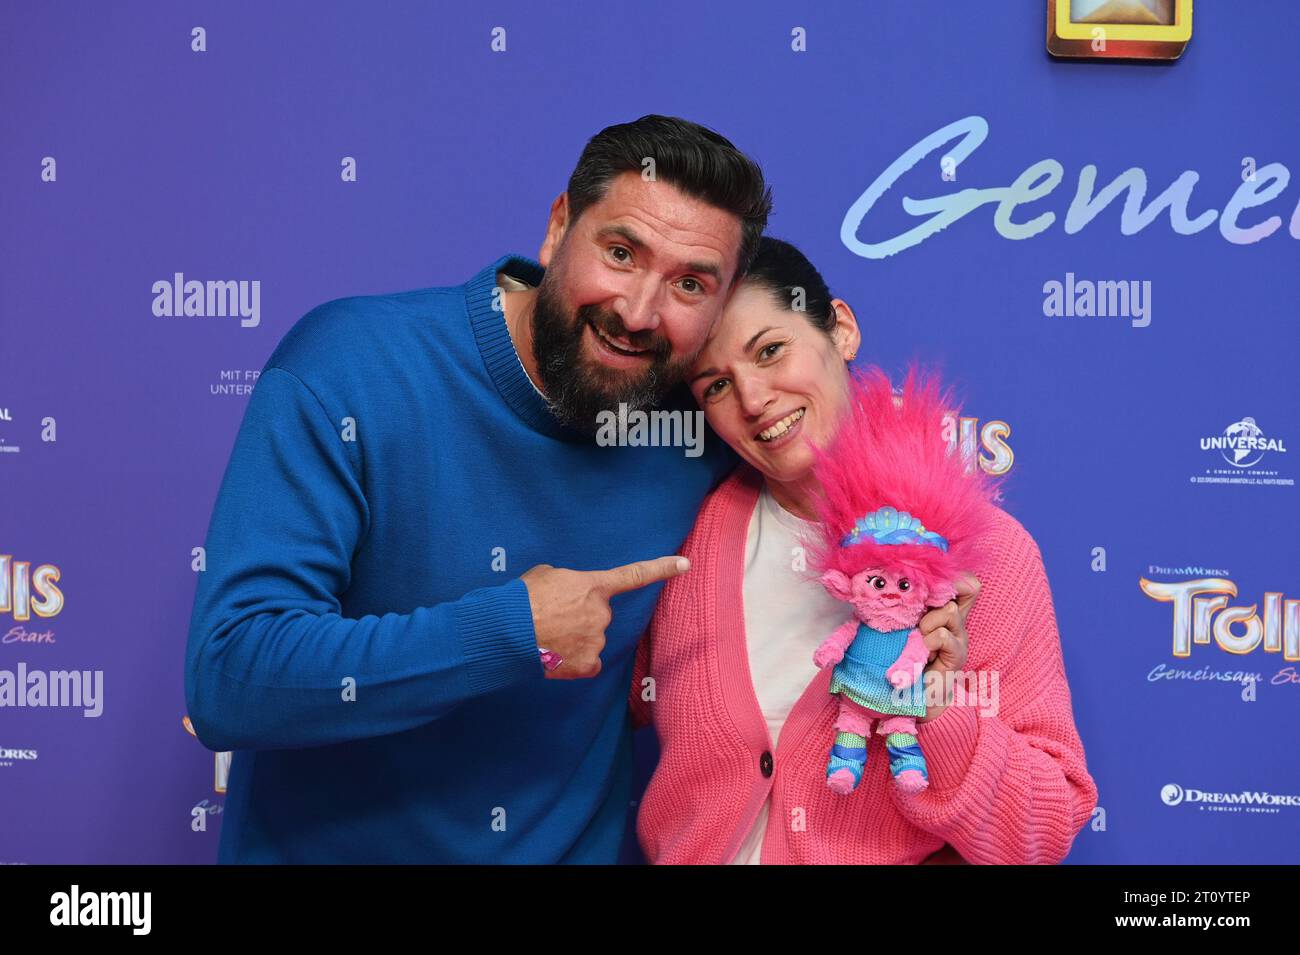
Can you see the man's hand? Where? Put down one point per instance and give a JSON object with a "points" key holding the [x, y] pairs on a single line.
{"points": [[946, 639], [571, 608]]}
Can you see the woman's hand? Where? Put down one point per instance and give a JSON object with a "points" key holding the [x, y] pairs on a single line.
{"points": [[945, 635]]}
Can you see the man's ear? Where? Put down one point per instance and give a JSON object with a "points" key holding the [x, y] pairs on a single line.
{"points": [[837, 585], [556, 226]]}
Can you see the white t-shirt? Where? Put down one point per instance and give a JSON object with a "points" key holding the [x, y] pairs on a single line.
{"points": [[787, 615], [512, 284]]}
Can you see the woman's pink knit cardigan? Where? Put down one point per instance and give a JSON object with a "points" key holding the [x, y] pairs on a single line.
{"points": [[1006, 788]]}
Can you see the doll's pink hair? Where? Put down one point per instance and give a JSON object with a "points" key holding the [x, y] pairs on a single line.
{"points": [[891, 453]]}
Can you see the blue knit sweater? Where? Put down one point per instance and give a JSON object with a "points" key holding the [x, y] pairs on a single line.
{"points": [[360, 635]]}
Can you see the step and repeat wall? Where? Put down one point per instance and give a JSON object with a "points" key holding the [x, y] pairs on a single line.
{"points": [[1105, 253]]}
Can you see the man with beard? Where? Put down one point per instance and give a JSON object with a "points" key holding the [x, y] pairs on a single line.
{"points": [[393, 687]]}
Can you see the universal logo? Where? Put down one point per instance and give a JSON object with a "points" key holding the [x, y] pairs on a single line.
{"points": [[1242, 445], [7, 418]]}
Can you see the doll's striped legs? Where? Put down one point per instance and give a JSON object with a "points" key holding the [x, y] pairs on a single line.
{"points": [[849, 753], [906, 761]]}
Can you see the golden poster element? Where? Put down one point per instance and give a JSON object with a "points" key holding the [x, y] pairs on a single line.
{"points": [[1119, 29]]}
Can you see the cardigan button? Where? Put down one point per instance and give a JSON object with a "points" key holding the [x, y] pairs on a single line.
{"points": [[765, 763]]}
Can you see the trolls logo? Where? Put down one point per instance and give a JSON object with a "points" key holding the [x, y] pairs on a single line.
{"points": [[1197, 617], [17, 583], [961, 432]]}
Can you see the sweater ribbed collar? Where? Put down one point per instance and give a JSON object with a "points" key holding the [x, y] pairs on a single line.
{"points": [[498, 348]]}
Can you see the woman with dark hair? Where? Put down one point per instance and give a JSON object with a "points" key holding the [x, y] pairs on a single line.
{"points": [[742, 713]]}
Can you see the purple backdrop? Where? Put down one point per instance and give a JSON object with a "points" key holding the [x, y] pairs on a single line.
{"points": [[224, 164]]}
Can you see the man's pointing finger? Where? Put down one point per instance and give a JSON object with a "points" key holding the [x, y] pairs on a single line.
{"points": [[641, 573]]}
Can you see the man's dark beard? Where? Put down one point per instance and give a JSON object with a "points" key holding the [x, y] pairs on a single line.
{"points": [[578, 390]]}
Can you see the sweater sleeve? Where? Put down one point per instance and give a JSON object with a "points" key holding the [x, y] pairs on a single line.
{"points": [[271, 661], [1010, 786]]}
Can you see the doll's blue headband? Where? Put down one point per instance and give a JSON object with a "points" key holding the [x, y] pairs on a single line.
{"points": [[886, 525]]}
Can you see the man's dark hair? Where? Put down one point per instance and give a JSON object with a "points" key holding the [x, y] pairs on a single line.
{"points": [[691, 157]]}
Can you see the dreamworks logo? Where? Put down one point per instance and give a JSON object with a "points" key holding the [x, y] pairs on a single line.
{"points": [[8, 755], [1173, 794]]}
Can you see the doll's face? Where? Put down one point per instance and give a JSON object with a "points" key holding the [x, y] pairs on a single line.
{"points": [[882, 598]]}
